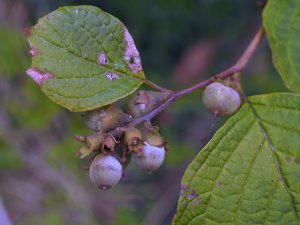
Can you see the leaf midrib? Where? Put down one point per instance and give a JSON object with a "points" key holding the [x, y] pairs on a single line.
{"points": [[273, 150], [249, 127]]}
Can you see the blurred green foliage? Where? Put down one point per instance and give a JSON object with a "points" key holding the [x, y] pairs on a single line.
{"points": [[162, 31], [9, 158], [13, 57], [22, 112]]}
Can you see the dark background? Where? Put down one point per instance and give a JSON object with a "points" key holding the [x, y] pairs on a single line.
{"points": [[180, 43]]}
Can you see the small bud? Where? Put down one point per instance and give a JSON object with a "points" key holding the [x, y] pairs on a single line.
{"points": [[221, 100], [145, 101], [105, 171], [135, 109], [103, 119]]}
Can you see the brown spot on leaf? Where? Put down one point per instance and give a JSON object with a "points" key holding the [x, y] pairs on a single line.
{"points": [[288, 159], [38, 76], [193, 194], [297, 161]]}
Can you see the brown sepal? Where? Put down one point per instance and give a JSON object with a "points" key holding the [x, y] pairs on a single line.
{"points": [[109, 144]]}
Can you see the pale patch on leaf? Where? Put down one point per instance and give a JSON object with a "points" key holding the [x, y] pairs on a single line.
{"points": [[102, 59], [84, 48], [111, 76], [38, 76], [33, 52], [192, 195], [132, 56]]}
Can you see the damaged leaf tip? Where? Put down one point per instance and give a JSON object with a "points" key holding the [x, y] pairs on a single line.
{"points": [[132, 56]]}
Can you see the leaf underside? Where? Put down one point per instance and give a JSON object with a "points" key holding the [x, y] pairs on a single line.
{"points": [[281, 19], [249, 173], [83, 58]]}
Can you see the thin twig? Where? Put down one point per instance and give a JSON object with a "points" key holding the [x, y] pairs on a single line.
{"points": [[237, 67], [154, 85]]}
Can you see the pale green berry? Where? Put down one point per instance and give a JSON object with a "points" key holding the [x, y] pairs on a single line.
{"points": [[221, 100], [105, 171]]}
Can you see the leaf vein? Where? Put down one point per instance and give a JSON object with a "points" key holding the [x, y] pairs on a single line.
{"points": [[246, 180], [269, 201], [273, 150], [210, 196]]}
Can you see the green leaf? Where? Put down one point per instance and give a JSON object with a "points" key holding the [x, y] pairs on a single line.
{"points": [[9, 159], [83, 58], [281, 20], [249, 173]]}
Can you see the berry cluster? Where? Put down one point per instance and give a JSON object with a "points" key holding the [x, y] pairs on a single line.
{"points": [[115, 141]]}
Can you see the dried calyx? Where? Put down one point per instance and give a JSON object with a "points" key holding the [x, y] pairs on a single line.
{"points": [[133, 139], [90, 143], [221, 100], [96, 142]]}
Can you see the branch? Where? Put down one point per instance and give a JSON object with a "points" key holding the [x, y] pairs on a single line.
{"points": [[154, 85], [237, 67]]}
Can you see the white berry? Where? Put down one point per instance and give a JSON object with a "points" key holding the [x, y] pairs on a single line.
{"points": [[221, 100], [151, 157], [105, 171]]}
